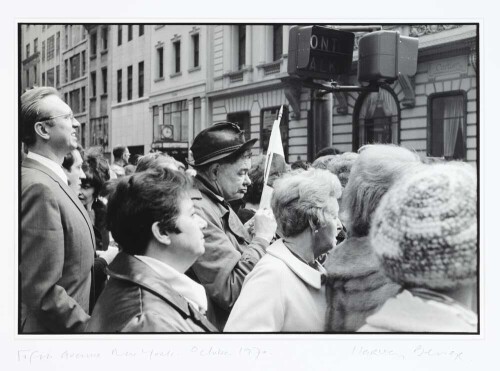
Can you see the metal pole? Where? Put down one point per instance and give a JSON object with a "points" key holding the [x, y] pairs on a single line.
{"points": [[322, 120]]}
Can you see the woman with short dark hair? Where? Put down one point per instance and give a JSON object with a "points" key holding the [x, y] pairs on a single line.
{"points": [[152, 217]]}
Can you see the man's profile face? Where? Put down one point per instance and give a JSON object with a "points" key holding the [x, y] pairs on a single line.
{"points": [[75, 174], [233, 179], [62, 129], [126, 155]]}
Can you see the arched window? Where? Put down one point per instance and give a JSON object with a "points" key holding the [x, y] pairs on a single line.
{"points": [[376, 118]]}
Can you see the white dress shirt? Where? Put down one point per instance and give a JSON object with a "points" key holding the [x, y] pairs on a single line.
{"points": [[52, 165]]}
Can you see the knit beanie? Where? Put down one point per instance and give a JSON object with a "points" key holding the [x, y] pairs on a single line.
{"points": [[425, 227]]}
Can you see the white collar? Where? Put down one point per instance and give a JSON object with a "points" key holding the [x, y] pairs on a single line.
{"points": [[305, 272], [190, 290], [52, 165]]}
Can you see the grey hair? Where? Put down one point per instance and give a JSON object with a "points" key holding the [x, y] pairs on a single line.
{"points": [[301, 199], [377, 168], [31, 111]]}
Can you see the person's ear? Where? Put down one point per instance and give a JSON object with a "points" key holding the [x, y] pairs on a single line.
{"points": [[159, 235], [314, 229], [41, 130], [214, 171]]}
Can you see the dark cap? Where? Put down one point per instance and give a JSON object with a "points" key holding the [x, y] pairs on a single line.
{"points": [[218, 141]]}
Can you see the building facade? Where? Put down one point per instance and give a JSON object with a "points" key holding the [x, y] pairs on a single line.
{"points": [[154, 87], [130, 87], [433, 113], [178, 101], [245, 83], [74, 74]]}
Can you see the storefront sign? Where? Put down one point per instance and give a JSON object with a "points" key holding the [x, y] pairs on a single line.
{"points": [[448, 66]]}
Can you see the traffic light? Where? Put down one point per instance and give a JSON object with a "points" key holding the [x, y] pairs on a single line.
{"points": [[383, 55], [319, 52]]}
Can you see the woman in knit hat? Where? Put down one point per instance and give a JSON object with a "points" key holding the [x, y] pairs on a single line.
{"points": [[356, 284], [425, 234]]}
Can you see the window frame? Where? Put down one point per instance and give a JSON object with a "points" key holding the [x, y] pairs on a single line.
{"points": [[140, 79], [177, 56], [275, 49], [119, 34], [430, 98], [119, 78], [357, 110], [130, 79]]}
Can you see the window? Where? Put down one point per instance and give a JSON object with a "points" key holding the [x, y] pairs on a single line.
{"points": [[58, 43], [156, 117], [74, 100], [159, 59], [27, 50], [376, 118], [83, 99], [84, 63], [141, 30], [243, 121], [196, 50], [35, 74], [35, 46], [74, 62], [140, 88], [267, 117], [43, 50], [50, 48], [66, 98], [104, 74], [66, 73], [50, 77], [277, 42], [43, 78], [196, 116], [129, 82], [27, 78], [177, 56], [119, 35], [93, 85], [241, 46], [99, 132], [175, 116], [130, 30], [58, 78], [66, 37], [82, 134], [447, 125], [93, 44], [104, 38], [119, 86]]}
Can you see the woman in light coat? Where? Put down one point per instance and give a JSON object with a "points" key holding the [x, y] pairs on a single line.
{"points": [[285, 291]]}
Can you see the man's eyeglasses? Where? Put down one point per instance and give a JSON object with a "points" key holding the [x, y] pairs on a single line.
{"points": [[69, 116]]}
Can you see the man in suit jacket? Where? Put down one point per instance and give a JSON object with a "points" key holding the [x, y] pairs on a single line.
{"points": [[57, 241]]}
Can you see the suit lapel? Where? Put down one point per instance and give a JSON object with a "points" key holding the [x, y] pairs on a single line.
{"points": [[29, 163]]}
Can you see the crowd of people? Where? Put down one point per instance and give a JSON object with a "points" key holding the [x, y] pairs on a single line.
{"points": [[381, 240]]}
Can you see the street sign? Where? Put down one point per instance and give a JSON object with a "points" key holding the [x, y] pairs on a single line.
{"points": [[319, 52]]}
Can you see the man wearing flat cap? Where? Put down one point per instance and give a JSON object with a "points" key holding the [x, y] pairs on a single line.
{"points": [[222, 159]]}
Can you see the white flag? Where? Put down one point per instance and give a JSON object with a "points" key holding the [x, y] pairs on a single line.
{"points": [[275, 154]]}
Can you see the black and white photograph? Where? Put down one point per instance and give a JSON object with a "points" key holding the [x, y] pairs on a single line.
{"points": [[263, 192]]}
